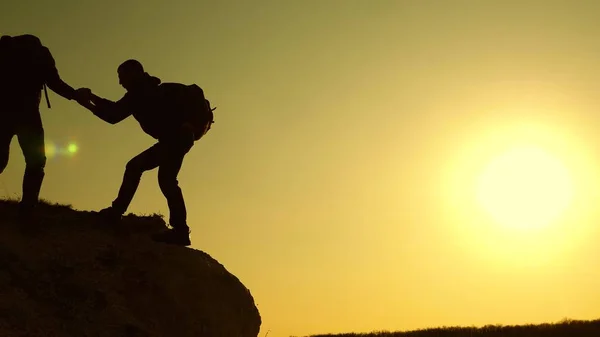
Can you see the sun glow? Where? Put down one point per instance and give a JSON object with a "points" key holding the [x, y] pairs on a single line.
{"points": [[525, 188], [521, 194]]}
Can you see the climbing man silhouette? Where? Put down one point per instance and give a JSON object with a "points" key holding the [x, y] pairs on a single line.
{"points": [[27, 67], [176, 115]]}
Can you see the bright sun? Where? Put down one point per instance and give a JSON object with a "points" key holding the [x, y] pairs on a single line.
{"points": [[525, 188]]}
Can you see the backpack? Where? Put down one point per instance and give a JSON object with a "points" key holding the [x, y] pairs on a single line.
{"points": [[21, 66], [196, 108], [201, 113]]}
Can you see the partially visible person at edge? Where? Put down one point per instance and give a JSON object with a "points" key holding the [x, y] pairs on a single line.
{"points": [[26, 67], [161, 115]]}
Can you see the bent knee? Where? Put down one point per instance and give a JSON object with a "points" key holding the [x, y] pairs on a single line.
{"points": [[133, 167], [166, 182], [36, 164], [3, 162]]}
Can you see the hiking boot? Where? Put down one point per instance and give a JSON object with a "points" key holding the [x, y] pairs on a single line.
{"points": [[109, 214], [180, 237]]}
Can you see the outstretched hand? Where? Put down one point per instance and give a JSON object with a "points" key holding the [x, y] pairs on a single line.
{"points": [[83, 94], [84, 97]]}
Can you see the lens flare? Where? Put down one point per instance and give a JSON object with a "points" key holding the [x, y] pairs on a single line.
{"points": [[72, 148], [50, 150], [54, 150]]}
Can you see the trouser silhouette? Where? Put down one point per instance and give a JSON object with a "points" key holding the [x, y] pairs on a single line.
{"points": [[168, 156], [27, 126]]}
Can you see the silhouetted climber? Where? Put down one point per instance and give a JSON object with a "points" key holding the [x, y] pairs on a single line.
{"points": [[26, 67], [176, 115]]}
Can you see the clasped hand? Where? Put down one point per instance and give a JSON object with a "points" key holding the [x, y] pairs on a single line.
{"points": [[83, 94], [84, 97]]}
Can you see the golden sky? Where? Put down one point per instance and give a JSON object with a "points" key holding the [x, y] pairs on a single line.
{"points": [[340, 180]]}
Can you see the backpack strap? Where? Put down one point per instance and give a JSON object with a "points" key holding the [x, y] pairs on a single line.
{"points": [[47, 99]]}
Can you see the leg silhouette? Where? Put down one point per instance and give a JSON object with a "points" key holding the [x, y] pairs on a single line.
{"points": [[170, 165], [172, 157], [145, 161], [31, 140], [6, 134]]}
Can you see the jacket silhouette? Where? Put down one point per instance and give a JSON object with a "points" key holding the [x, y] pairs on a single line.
{"points": [[163, 114], [26, 67], [155, 107]]}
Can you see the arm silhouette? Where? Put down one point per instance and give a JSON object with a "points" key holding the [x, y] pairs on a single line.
{"points": [[53, 80], [107, 110]]}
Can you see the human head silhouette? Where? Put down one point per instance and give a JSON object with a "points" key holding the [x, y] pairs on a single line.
{"points": [[131, 73]]}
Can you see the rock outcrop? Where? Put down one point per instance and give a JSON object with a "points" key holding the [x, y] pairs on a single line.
{"points": [[76, 276]]}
